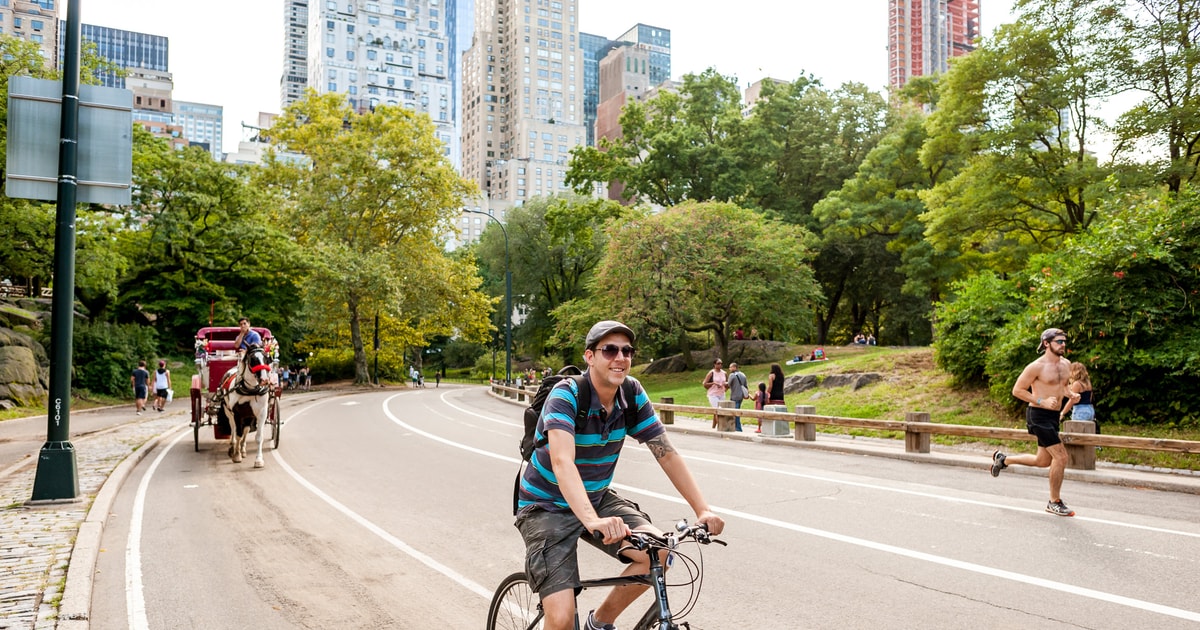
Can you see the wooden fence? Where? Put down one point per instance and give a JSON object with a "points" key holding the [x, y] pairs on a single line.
{"points": [[1079, 437]]}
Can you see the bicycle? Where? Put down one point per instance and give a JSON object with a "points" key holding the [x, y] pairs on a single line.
{"points": [[515, 606]]}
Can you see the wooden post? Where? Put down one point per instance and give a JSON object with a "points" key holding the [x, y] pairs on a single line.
{"points": [[1080, 456], [521, 394], [805, 431], [667, 416], [724, 422], [914, 441]]}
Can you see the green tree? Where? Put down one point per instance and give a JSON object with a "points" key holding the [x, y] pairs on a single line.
{"points": [[1018, 109], [802, 141], [371, 204], [201, 244], [674, 147], [554, 245], [875, 220], [701, 267], [1126, 294], [1152, 49]]}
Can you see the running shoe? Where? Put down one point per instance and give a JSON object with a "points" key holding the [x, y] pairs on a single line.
{"points": [[998, 463], [1059, 508], [592, 624]]}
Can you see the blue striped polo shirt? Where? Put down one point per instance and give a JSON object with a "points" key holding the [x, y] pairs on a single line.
{"points": [[597, 444]]}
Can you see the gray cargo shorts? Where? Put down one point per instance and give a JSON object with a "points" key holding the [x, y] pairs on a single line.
{"points": [[552, 539]]}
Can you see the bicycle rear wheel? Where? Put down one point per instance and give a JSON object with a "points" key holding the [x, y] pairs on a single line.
{"points": [[515, 606]]}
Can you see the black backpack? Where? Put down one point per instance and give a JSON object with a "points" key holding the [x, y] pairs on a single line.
{"points": [[583, 401]]}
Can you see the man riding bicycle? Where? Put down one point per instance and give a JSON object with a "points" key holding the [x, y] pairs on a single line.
{"points": [[564, 493]]}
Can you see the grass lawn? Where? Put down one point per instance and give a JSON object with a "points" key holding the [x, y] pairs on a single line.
{"points": [[911, 383]]}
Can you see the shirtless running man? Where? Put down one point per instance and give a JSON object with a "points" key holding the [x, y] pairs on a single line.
{"points": [[1043, 384]]}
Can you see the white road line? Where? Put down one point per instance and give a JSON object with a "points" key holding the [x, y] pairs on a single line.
{"points": [[135, 599], [428, 561], [869, 544], [870, 486]]}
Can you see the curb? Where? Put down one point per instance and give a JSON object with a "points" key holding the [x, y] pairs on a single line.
{"points": [[74, 610], [1161, 481]]}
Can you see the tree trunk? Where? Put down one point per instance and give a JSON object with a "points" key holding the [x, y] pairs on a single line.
{"points": [[685, 348], [361, 375]]}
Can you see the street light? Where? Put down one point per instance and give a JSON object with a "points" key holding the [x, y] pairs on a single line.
{"points": [[507, 300]]}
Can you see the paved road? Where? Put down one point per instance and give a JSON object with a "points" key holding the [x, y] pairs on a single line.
{"points": [[391, 510]]}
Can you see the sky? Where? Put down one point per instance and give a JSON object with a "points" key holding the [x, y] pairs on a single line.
{"points": [[230, 53]]}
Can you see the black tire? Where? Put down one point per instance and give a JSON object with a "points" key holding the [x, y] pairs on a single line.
{"points": [[515, 606], [197, 413], [276, 422]]}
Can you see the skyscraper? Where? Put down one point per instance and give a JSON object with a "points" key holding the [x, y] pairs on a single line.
{"points": [[385, 52], [128, 50], [294, 79], [35, 21], [522, 99], [654, 39], [202, 125], [924, 34]]}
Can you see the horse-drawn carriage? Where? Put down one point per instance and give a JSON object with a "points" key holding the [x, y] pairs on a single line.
{"points": [[236, 394]]}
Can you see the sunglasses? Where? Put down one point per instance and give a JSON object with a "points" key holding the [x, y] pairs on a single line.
{"points": [[1061, 342], [610, 351]]}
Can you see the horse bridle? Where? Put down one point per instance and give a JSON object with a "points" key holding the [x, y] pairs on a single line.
{"points": [[262, 365]]}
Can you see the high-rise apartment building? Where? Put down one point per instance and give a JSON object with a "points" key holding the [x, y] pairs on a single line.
{"points": [[294, 79], [522, 99], [35, 21], [386, 52], [201, 124], [128, 50], [924, 34], [654, 39]]}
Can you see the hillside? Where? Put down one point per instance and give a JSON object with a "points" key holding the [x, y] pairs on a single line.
{"points": [[911, 382]]}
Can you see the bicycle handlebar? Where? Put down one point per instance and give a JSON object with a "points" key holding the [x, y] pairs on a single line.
{"points": [[644, 541]]}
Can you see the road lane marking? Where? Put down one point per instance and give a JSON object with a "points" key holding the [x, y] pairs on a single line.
{"points": [[402, 546], [862, 542], [870, 486], [135, 599]]}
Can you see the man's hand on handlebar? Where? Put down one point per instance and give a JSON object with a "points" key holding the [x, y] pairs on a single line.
{"points": [[715, 524], [611, 529]]}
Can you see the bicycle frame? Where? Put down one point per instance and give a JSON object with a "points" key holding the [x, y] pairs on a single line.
{"points": [[657, 617]]}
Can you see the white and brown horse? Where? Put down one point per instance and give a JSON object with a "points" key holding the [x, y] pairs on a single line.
{"points": [[245, 392]]}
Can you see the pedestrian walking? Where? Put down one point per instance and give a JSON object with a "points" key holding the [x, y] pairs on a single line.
{"points": [[162, 382], [1043, 384], [739, 390], [140, 379], [716, 382]]}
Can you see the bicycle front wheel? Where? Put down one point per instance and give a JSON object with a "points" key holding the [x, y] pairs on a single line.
{"points": [[515, 606]]}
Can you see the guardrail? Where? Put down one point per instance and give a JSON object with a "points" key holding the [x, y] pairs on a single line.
{"points": [[1079, 437]]}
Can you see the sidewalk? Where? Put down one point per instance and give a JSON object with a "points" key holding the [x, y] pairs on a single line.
{"points": [[39, 543], [965, 455]]}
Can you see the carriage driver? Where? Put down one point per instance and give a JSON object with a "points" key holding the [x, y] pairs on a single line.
{"points": [[245, 340], [248, 337]]}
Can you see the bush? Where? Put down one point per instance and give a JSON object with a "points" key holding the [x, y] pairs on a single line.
{"points": [[483, 367], [1126, 294], [331, 364], [966, 326], [105, 354]]}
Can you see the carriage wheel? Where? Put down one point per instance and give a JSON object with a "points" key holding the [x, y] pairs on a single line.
{"points": [[275, 420], [197, 413]]}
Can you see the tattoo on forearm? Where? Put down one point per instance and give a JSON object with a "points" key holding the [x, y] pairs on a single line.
{"points": [[660, 446]]}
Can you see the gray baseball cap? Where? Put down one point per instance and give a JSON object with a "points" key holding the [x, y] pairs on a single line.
{"points": [[605, 328], [1047, 335]]}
